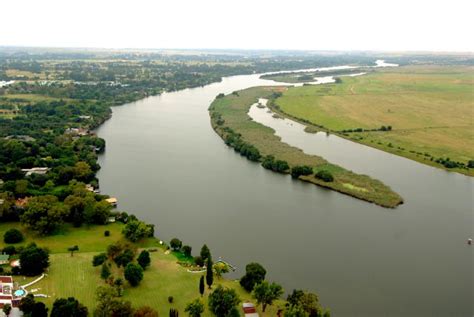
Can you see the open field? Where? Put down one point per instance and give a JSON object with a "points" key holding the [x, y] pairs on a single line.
{"points": [[75, 276], [430, 110], [233, 110], [88, 238]]}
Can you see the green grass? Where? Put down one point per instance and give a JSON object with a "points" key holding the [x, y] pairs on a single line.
{"points": [[233, 110], [75, 276], [428, 107], [88, 238]]}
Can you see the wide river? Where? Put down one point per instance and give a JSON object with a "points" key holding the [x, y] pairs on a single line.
{"points": [[165, 164]]}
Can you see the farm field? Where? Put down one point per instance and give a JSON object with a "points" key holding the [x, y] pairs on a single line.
{"points": [[428, 108]]}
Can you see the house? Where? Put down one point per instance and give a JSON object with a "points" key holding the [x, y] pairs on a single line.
{"points": [[35, 170], [4, 258], [77, 131], [249, 310], [6, 287], [112, 200]]}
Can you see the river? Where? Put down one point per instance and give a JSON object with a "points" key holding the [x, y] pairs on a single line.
{"points": [[165, 164]]}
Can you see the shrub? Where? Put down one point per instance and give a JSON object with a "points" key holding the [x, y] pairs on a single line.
{"points": [[187, 250], [144, 259], [199, 261], [254, 274], [99, 259], [13, 236], [223, 300], [324, 175], [136, 230], [10, 250], [276, 166], [106, 233], [133, 274], [176, 244], [170, 299], [299, 170]]}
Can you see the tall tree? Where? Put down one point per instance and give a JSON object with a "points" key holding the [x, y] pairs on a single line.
{"points": [[39, 310], [144, 259], [254, 274], [44, 214], [222, 301], [266, 293], [201, 286], [133, 273], [209, 273], [109, 305], [68, 307], [105, 271], [34, 260], [205, 252]]}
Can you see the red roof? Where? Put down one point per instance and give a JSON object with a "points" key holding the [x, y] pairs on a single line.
{"points": [[6, 279], [249, 310], [5, 297]]}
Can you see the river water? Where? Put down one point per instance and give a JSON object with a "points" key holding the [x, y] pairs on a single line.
{"points": [[165, 164]]}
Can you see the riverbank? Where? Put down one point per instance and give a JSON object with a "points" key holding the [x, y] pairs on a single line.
{"points": [[75, 276], [410, 102], [229, 116]]}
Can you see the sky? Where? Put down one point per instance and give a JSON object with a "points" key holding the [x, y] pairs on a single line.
{"points": [[387, 25]]}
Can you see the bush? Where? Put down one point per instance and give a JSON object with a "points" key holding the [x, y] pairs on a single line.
{"points": [[99, 259], [170, 299], [144, 259], [10, 250], [299, 170], [133, 274], [324, 175], [199, 261], [106, 233], [136, 230], [276, 166], [13, 236], [176, 244], [187, 250], [254, 274], [223, 300], [124, 258]]}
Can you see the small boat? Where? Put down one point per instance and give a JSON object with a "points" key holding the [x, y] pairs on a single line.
{"points": [[469, 241]]}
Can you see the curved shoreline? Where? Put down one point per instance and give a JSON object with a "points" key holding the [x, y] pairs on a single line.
{"points": [[346, 182]]}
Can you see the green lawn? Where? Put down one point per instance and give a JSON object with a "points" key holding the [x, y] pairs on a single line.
{"points": [[75, 276], [428, 107], [233, 110], [88, 238]]}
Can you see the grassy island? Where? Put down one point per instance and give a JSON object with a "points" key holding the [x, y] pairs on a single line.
{"points": [[259, 143]]}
